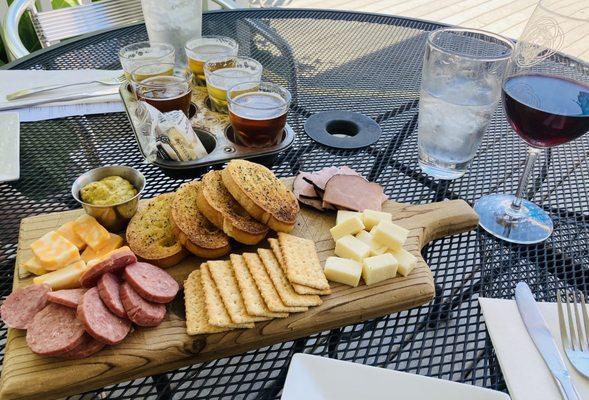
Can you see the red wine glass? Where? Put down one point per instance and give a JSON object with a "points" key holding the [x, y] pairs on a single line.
{"points": [[546, 100]]}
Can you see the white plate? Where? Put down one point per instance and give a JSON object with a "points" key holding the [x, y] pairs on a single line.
{"points": [[9, 146], [318, 378]]}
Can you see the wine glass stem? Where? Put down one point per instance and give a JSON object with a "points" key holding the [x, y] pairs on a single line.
{"points": [[514, 212]]}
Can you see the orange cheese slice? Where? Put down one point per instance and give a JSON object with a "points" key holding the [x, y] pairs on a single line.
{"points": [[67, 231], [91, 232], [114, 242], [54, 251], [34, 265], [65, 278]]}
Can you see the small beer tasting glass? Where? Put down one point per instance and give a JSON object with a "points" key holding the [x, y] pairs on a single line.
{"points": [[224, 72], [141, 53], [199, 50], [168, 91], [257, 112], [460, 89]]}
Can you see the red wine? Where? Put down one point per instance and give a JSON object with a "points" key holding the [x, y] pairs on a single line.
{"points": [[546, 110]]}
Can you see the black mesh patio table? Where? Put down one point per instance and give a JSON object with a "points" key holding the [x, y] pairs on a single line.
{"points": [[331, 61]]}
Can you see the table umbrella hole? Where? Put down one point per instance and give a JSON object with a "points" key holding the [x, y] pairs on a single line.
{"points": [[342, 128]]}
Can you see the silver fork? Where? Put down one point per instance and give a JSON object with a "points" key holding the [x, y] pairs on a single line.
{"points": [[19, 94], [575, 335]]}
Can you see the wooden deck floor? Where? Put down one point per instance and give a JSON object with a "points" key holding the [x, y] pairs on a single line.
{"points": [[505, 17]]}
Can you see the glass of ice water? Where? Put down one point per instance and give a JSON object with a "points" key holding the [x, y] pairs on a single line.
{"points": [[460, 89]]}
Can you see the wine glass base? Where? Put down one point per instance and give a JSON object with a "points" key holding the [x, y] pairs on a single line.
{"points": [[533, 225]]}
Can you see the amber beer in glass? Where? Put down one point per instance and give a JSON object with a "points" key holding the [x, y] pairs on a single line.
{"points": [[139, 54], [258, 115], [167, 92], [200, 50]]}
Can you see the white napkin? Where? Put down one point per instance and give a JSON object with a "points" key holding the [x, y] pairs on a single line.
{"points": [[13, 80], [527, 377]]}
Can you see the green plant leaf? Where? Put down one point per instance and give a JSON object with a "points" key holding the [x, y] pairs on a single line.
{"points": [[64, 3]]}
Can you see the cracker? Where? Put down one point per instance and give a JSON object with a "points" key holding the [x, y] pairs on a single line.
{"points": [[222, 274], [300, 289], [302, 262], [216, 311], [264, 283], [282, 285], [196, 314], [252, 299]]}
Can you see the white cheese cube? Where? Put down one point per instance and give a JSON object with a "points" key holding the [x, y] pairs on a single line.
{"points": [[343, 215], [351, 247], [407, 261], [343, 270], [350, 226], [371, 218], [379, 268], [390, 235], [375, 247]]}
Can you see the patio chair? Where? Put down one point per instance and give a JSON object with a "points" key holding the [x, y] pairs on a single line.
{"points": [[56, 25]]}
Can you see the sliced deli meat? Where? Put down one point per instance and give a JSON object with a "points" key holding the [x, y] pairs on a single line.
{"points": [[139, 310], [109, 291], [151, 282], [21, 306], [302, 187], [85, 349], [99, 322], [352, 192], [55, 330], [111, 262], [66, 297]]}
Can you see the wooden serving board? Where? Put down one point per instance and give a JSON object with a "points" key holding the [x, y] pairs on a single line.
{"points": [[148, 351]]}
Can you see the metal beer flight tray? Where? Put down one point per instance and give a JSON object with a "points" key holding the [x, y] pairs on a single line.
{"points": [[212, 128]]}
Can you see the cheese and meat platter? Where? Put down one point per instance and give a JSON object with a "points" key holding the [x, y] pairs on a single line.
{"points": [[222, 266]]}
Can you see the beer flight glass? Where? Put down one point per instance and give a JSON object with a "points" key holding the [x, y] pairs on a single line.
{"points": [[167, 91], [142, 53], [224, 72], [257, 112], [546, 100], [200, 50]]}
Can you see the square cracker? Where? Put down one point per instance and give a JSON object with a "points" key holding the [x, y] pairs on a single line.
{"points": [[222, 274], [264, 283], [196, 314], [252, 299], [300, 289], [301, 261], [216, 311], [282, 285]]}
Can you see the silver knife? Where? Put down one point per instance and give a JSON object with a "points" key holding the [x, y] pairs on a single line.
{"points": [[540, 334], [52, 99]]}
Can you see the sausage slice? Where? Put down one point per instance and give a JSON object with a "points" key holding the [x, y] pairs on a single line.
{"points": [[21, 306], [139, 310], [113, 262], [108, 289], [151, 282], [66, 297], [85, 349], [100, 323], [55, 330]]}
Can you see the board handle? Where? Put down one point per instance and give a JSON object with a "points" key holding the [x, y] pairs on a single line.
{"points": [[439, 219]]}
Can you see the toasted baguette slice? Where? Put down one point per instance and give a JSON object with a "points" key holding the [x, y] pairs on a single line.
{"points": [[196, 233], [150, 234], [262, 195], [217, 204]]}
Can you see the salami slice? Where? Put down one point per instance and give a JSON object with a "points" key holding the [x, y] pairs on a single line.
{"points": [[66, 297], [139, 310], [85, 349], [54, 331], [21, 306], [114, 262], [99, 322], [151, 282], [108, 288]]}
